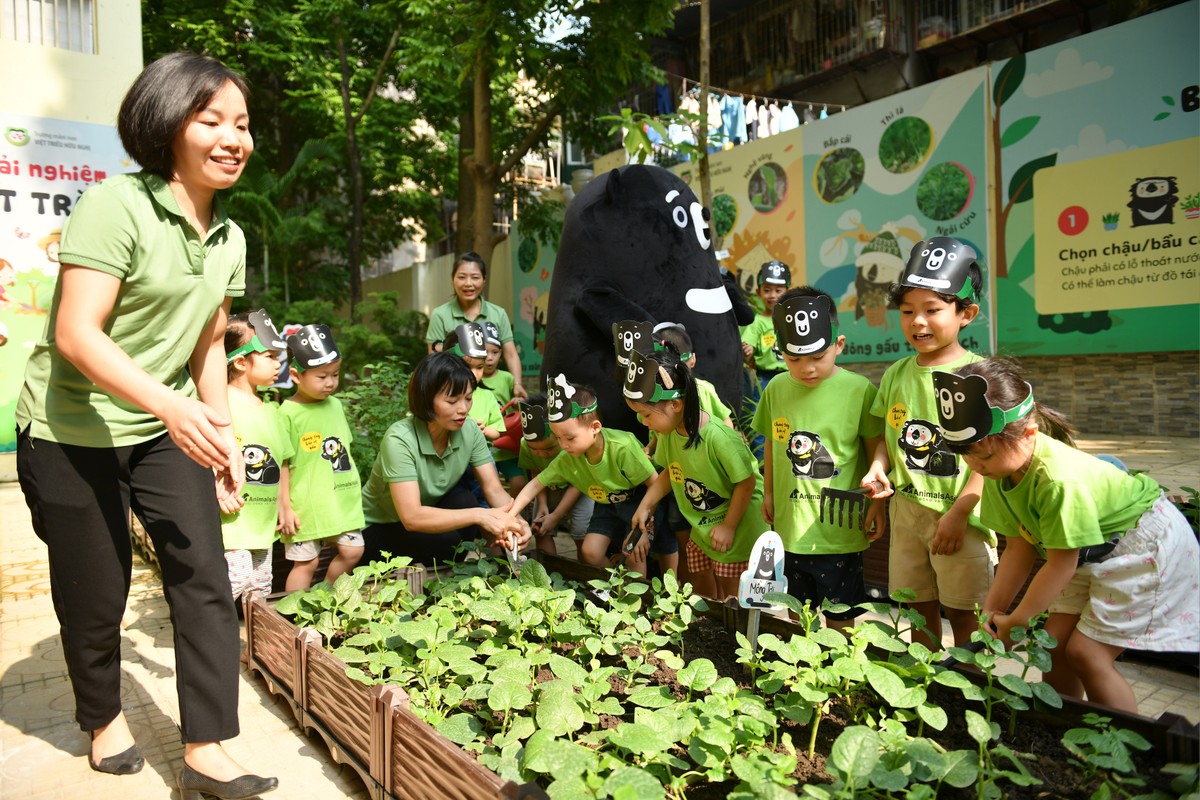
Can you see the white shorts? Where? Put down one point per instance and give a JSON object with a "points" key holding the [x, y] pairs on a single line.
{"points": [[307, 551], [1144, 595]]}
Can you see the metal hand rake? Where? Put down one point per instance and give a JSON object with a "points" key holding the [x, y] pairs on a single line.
{"points": [[843, 506]]}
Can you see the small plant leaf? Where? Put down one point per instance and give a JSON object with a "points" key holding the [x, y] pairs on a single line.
{"points": [[1047, 694], [934, 716], [1168, 99], [855, 754], [638, 738], [978, 727], [633, 783], [461, 728], [652, 697], [1018, 130], [698, 675], [962, 768]]}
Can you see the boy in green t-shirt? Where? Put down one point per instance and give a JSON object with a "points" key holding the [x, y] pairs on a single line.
{"points": [[938, 548], [605, 464], [322, 503], [758, 343], [554, 503], [500, 381], [816, 419]]}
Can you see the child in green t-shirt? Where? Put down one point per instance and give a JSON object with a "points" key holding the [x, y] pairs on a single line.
{"points": [[554, 503], [605, 464], [1121, 561], [252, 348], [816, 419], [937, 548], [322, 505], [707, 468], [500, 381], [758, 343]]}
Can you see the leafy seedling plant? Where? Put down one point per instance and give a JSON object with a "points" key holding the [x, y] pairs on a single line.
{"points": [[1105, 755]]}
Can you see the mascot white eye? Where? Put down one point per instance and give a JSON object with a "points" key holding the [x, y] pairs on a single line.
{"points": [[321, 335], [680, 216]]}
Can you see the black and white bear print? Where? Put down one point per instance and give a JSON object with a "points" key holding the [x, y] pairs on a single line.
{"points": [[766, 570], [618, 497], [810, 459], [925, 450], [700, 496], [333, 451], [261, 467], [1152, 201]]}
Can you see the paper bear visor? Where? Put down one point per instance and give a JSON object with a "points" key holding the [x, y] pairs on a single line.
{"points": [[964, 412], [647, 381], [804, 326], [313, 346], [775, 272], [941, 264], [535, 425], [491, 333], [559, 403], [265, 330], [630, 335], [470, 340]]}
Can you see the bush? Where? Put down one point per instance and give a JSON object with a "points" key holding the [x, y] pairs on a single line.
{"points": [[377, 399]]}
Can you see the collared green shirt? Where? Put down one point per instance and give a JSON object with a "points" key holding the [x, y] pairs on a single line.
{"points": [[172, 281], [407, 454], [449, 315]]}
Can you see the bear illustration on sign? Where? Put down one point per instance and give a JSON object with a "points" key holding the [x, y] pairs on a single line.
{"points": [[1152, 201], [636, 245]]}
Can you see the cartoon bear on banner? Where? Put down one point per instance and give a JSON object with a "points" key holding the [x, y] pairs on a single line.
{"points": [[636, 245]]}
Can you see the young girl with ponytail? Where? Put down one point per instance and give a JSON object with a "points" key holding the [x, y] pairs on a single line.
{"points": [[706, 465], [1121, 562]]}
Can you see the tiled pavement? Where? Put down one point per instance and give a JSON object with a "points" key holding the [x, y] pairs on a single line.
{"points": [[42, 749]]}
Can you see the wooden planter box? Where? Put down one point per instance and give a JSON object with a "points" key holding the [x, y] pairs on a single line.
{"points": [[370, 728]]}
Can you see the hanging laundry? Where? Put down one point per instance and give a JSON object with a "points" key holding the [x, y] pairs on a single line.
{"points": [[788, 119], [775, 112], [764, 121], [809, 115], [824, 112], [662, 100], [733, 119], [751, 120]]}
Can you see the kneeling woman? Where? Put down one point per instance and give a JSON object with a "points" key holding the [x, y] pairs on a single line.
{"points": [[414, 503]]}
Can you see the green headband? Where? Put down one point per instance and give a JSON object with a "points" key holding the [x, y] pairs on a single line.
{"points": [[255, 345], [1002, 418]]}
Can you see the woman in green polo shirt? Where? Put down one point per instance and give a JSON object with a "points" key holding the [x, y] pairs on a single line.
{"points": [[469, 276], [414, 502], [125, 404]]}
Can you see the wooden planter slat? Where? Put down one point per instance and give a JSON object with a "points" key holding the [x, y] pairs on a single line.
{"points": [[342, 705]]}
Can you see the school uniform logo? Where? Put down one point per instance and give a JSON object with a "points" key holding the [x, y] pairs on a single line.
{"points": [[261, 468], [810, 459], [333, 451], [925, 450], [700, 496]]}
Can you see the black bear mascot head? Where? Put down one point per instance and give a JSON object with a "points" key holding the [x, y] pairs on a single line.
{"points": [[637, 245]]}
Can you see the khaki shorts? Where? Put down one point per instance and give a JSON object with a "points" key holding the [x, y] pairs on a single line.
{"points": [[960, 580], [307, 551]]}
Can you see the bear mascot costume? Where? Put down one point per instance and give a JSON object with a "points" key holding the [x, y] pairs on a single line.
{"points": [[636, 245]]}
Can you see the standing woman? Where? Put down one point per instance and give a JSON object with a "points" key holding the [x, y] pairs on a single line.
{"points": [[125, 404], [469, 276]]}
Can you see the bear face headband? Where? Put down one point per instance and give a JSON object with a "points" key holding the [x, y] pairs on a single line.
{"points": [[647, 381], [941, 264], [491, 333], [265, 338], [965, 413], [559, 405], [312, 346], [628, 336], [775, 272], [535, 425], [470, 341], [804, 326]]}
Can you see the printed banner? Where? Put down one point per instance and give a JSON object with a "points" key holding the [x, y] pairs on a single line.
{"points": [[880, 178], [533, 265], [1117, 238], [1094, 109], [45, 164]]}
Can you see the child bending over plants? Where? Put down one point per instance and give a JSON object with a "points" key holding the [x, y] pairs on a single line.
{"points": [[1122, 563]]}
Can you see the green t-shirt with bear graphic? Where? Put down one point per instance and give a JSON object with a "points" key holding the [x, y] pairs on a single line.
{"points": [[266, 447], [702, 480], [816, 435], [325, 489], [623, 466], [760, 335]]}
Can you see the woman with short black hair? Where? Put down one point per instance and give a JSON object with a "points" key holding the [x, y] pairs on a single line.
{"points": [[414, 502], [125, 404]]}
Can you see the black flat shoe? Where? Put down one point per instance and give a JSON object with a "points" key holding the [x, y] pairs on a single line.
{"points": [[123, 763], [193, 785]]}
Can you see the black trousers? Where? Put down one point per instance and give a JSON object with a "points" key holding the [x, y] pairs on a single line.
{"points": [[80, 499], [422, 548]]}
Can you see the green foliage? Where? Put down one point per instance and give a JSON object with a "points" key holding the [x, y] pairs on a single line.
{"points": [[905, 144], [1105, 754], [1020, 187], [372, 404], [1018, 130], [943, 191], [839, 174], [724, 210], [1009, 80], [1110, 218]]}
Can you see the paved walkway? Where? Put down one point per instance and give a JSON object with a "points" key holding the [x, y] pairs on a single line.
{"points": [[42, 749]]}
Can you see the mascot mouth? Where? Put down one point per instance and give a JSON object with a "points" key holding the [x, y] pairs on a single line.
{"points": [[958, 436], [805, 349], [632, 395], [709, 301]]}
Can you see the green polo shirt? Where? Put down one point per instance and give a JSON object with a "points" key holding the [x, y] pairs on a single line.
{"points": [[172, 280], [450, 315], [406, 454]]}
